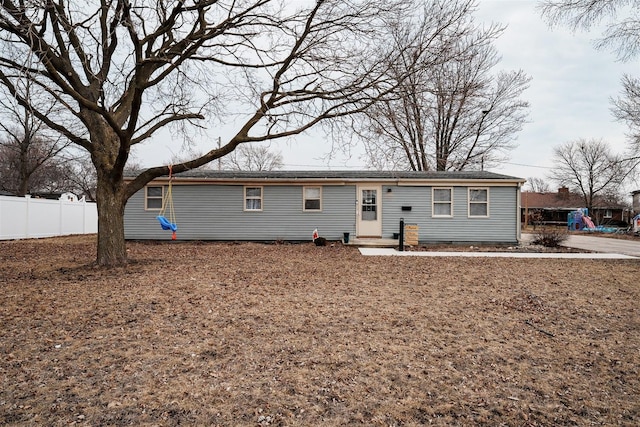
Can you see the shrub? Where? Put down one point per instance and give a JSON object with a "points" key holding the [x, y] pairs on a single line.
{"points": [[549, 237]]}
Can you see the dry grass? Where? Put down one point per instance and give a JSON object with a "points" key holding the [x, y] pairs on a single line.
{"points": [[251, 334]]}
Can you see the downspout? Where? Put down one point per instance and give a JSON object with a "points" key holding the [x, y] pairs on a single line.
{"points": [[526, 209], [518, 214]]}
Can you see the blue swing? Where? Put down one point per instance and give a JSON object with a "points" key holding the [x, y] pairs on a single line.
{"points": [[168, 223]]}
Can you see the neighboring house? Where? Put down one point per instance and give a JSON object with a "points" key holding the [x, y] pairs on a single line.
{"points": [[635, 201], [48, 196], [289, 205], [553, 209]]}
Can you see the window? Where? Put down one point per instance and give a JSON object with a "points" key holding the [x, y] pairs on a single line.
{"points": [[479, 202], [153, 198], [608, 214], [369, 205], [312, 198], [252, 198], [442, 202]]}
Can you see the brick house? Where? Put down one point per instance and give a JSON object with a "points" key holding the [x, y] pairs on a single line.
{"points": [[552, 208]]}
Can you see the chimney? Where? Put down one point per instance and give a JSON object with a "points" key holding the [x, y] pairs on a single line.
{"points": [[563, 190]]}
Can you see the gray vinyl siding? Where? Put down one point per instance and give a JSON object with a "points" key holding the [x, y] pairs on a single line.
{"points": [[216, 212], [500, 226]]}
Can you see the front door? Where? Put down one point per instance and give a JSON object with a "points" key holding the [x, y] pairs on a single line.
{"points": [[369, 211]]}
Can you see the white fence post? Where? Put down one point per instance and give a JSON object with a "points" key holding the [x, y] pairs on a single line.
{"points": [[27, 198], [84, 215], [61, 210]]}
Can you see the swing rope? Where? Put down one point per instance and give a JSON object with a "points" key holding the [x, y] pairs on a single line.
{"points": [[167, 204]]}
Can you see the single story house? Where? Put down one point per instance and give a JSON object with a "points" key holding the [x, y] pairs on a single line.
{"points": [[553, 208], [635, 202], [482, 207]]}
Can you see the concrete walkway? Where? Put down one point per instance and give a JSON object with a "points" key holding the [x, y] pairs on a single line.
{"points": [[603, 247], [557, 255]]}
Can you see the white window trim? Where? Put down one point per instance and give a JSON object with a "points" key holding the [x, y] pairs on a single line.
{"points": [[304, 199], [245, 198], [469, 202], [146, 197], [608, 213], [433, 202]]}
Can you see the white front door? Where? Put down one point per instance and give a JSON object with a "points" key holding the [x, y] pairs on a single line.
{"points": [[369, 211]]}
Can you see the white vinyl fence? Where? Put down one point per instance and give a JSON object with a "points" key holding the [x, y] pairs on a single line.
{"points": [[27, 217]]}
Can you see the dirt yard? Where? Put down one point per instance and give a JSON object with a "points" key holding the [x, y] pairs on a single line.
{"points": [[298, 335]]}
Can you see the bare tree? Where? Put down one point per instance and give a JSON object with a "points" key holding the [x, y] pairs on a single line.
{"points": [[627, 109], [29, 151], [253, 158], [33, 167], [121, 70], [80, 177], [29, 165], [33, 159], [247, 157], [589, 168], [538, 185], [23, 163], [453, 112], [621, 19]]}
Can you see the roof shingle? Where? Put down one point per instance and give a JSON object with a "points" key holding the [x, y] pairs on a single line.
{"points": [[347, 175]]}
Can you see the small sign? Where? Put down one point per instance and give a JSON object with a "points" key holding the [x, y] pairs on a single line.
{"points": [[411, 234]]}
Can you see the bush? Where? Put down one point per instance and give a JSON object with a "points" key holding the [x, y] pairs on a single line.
{"points": [[550, 237]]}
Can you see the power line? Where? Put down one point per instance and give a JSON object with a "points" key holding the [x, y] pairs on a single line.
{"points": [[527, 166], [325, 166], [365, 167]]}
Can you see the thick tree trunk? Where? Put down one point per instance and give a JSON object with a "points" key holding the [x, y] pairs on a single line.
{"points": [[23, 174], [112, 249], [23, 186]]}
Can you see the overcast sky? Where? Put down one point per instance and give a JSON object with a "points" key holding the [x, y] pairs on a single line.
{"points": [[571, 87], [569, 94]]}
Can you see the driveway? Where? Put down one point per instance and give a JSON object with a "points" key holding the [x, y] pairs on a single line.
{"points": [[604, 244], [600, 244]]}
